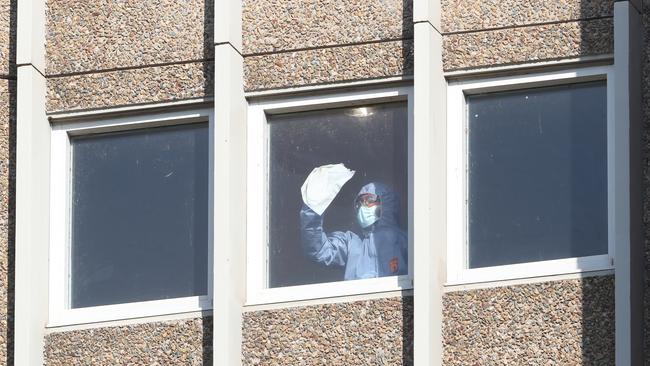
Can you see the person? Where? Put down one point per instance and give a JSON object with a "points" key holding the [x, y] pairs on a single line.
{"points": [[380, 250]]}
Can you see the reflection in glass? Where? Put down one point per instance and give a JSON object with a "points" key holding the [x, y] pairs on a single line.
{"points": [[139, 215], [354, 237], [537, 171]]}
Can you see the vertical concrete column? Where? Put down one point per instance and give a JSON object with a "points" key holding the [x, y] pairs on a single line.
{"points": [[629, 251], [430, 188], [229, 188], [32, 188]]}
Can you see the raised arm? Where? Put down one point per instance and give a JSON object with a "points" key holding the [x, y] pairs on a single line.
{"points": [[327, 249]]}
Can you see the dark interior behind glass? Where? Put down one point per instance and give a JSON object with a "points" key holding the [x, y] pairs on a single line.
{"points": [[537, 170], [139, 215]]}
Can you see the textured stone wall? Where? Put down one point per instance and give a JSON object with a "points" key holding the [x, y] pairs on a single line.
{"points": [[312, 42], [553, 323], [7, 35], [180, 342], [7, 174], [111, 53], [123, 52], [307, 42], [130, 86], [373, 333], [484, 33], [7, 180]]}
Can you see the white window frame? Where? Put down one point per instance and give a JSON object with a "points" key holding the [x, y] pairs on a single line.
{"points": [[60, 313], [457, 244], [257, 198]]}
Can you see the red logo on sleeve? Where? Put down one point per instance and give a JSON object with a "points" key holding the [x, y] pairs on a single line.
{"points": [[394, 265]]}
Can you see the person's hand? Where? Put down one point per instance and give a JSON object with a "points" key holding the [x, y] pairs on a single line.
{"points": [[323, 184]]}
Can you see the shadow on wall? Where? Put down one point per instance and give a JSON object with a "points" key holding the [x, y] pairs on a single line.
{"points": [[407, 37], [207, 340], [208, 86], [208, 47], [11, 189], [597, 294], [10, 209], [598, 321], [407, 331]]}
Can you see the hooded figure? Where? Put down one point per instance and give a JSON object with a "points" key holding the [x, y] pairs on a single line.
{"points": [[381, 249]]}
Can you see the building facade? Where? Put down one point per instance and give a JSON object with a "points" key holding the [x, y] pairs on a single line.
{"points": [[515, 132]]}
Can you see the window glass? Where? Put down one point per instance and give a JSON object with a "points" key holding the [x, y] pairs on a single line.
{"points": [[537, 166], [139, 215], [306, 247]]}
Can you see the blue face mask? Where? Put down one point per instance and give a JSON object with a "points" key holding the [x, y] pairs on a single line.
{"points": [[367, 216]]}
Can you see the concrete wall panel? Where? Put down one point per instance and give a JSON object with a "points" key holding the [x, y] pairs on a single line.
{"points": [[181, 342], [472, 15], [554, 323], [528, 44], [7, 184], [272, 25], [329, 65], [131, 86], [97, 35], [374, 332], [7, 35]]}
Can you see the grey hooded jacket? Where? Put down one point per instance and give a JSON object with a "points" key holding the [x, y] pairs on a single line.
{"points": [[381, 249]]}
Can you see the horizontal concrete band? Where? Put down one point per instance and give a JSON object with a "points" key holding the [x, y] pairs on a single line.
{"points": [[130, 86], [329, 65], [528, 44], [178, 342], [332, 64], [372, 332]]}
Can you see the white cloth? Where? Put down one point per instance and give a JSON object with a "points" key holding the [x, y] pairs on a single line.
{"points": [[323, 184]]}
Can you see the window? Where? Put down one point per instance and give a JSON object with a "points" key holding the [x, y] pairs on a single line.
{"points": [[530, 185], [301, 252], [132, 234]]}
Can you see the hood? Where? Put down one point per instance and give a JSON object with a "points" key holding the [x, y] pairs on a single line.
{"points": [[390, 204]]}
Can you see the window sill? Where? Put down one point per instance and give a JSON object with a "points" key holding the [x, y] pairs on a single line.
{"points": [[321, 291], [530, 270], [119, 312]]}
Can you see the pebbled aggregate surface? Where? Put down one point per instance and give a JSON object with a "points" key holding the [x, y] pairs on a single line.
{"points": [[7, 191], [7, 37], [272, 25], [374, 332], [328, 65], [468, 15], [107, 34], [528, 44], [553, 323], [179, 342], [133, 86]]}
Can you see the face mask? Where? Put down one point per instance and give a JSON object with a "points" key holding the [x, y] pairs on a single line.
{"points": [[367, 216]]}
